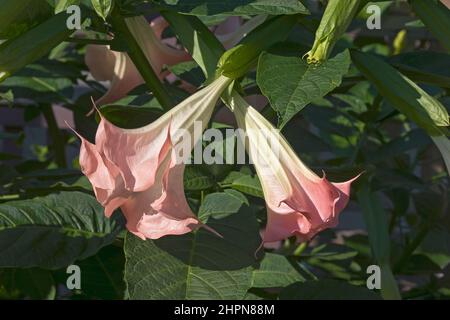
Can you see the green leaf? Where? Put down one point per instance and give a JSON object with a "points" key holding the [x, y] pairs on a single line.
{"points": [[40, 83], [436, 17], [196, 179], [290, 83], [275, 271], [198, 40], [424, 66], [402, 93], [33, 44], [248, 184], [221, 204], [18, 16], [197, 265], [236, 7], [327, 290], [102, 7], [377, 227], [53, 231], [11, 9]]}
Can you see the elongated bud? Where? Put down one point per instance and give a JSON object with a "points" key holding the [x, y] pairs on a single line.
{"points": [[336, 18]]}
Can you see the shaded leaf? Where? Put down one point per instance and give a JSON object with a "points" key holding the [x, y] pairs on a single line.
{"points": [[198, 265], [53, 231]]}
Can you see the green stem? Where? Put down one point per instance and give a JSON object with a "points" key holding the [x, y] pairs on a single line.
{"points": [[140, 61], [299, 250], [55, 133]]}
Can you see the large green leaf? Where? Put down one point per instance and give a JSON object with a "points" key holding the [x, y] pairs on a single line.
{"points": [[436, 17], [53, 231], [236, 7], [327, 290], [198, 265], [290, 83]]}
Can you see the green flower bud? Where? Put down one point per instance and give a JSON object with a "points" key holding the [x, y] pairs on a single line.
{"points": [[337, 17]]}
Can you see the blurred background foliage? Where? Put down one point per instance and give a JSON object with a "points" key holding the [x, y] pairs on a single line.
{"points": [[398, 216]]}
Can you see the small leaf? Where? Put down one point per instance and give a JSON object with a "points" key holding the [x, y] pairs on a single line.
{"points": [[196, 179], [249, 185], [221, 204], [102, 7]]}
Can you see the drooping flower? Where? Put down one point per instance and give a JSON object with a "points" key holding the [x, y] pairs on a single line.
{"points": [[299, 203], [140, 170], [118, 68]]}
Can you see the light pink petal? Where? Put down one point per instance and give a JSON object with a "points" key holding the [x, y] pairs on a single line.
{"points": [[136, 152], [125, 78], [100, 61], [104, 176], [282, 226], [162, 209]]}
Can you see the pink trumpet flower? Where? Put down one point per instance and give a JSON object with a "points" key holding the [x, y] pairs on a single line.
{"points": [[140, 171], [117, 67], [299, 203]]}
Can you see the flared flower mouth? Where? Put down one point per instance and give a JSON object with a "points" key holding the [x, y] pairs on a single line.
{"points": [[299, 202], [139, 169]]}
